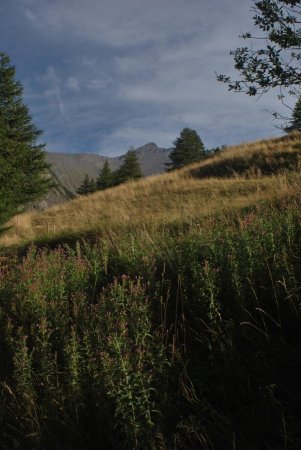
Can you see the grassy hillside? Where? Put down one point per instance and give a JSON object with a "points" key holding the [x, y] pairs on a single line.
{"points": [[239, 177], [162, 314]]}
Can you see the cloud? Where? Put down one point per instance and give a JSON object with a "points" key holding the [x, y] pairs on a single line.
{"points": [[73, 84], [118, 23], [135, 133], [100, 84], [103, 75], [29, 15], [51, 92]]}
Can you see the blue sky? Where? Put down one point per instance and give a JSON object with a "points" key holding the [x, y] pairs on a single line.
{"points": [[102, 75]]}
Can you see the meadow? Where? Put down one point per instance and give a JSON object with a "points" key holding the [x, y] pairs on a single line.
{"points": [[160, 314]]}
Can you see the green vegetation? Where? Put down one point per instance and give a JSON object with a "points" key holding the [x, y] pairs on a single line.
{"points": [[295, 121], [188, 148], [129, 170], [24, 174], [178, 328], [87, 186], [105, 178], [188, 340]]}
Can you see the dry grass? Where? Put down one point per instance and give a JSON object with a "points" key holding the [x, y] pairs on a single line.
{"points": [[158, 200]]}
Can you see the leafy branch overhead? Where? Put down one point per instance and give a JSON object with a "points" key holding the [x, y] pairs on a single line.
{"points": [[276, 64]]}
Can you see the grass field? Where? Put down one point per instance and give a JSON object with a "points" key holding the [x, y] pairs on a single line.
{"points": [[161, 314], [237, 178]]}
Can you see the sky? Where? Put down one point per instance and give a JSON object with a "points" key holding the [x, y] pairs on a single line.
{"points": [[100, 76]]}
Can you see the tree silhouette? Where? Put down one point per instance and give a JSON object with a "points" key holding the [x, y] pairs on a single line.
{"points": [[24, 172], [105, 178], [188, 148], [130, 169]]}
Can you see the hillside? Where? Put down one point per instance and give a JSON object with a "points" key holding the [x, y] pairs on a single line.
{"points": [[159, 314], [69, 169], [239, 177]]}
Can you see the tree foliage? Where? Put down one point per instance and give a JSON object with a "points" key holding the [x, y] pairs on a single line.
{"points": [[276, 64], [130, 169], [87, 186], [24, 175], [188, 148], [295, 122], [105, 178]]}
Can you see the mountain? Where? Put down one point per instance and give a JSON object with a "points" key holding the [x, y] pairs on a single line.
{"points": [[69, 169]]}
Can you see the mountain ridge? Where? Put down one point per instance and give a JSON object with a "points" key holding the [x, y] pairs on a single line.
{"points": [[69, 169]]}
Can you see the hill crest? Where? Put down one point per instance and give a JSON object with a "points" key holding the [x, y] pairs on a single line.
{"points": [[192, 195]]}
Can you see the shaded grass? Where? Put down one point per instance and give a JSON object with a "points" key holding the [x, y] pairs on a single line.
{"points": [[190, 339], [255, 159]]}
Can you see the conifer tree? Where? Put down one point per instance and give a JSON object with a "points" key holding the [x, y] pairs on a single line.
{"points": [[188, 148], [24, 175], [105, 178], [295, 122], [87, 186], [130, 169]]}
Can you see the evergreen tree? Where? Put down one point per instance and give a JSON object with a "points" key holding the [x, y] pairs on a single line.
{"points": [[87, 186], [105, 178], [130, 169], [295, 122], [24, 175], [188, 148]]}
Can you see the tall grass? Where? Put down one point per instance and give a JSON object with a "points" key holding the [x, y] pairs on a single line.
{"points": [[188, 340], [163, 314], [79, 369]]}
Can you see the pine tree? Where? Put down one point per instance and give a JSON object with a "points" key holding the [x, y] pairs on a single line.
{"points": [[188, 148], [105, 178], [24, 175], [130, 169], [87, 186], [295, 122]]}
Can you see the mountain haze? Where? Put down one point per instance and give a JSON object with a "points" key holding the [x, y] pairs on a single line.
{"points": [[69, 169]]}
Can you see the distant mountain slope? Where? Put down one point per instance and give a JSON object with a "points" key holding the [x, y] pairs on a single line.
{"points": [[70, 168]]}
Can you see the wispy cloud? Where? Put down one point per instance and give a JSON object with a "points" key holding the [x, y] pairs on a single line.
{"points": [[53, 89], [104, 75], [73, 84]]}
